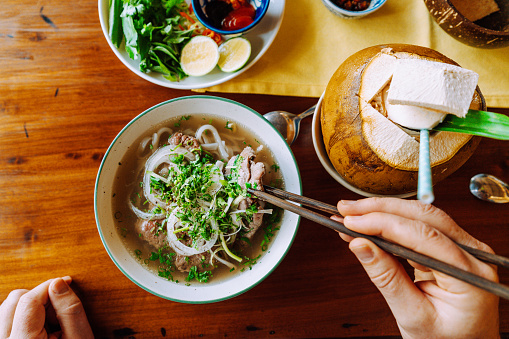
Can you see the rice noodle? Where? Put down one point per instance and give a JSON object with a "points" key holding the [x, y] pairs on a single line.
{"points": [[156, 137], [180, 248], [221, 147]]}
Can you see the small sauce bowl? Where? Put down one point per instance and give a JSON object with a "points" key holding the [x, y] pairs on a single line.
{"points": [[260, 7], [346, 14]]}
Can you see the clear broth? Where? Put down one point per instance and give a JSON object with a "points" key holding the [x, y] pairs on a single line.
{"points": [[130, 173]]}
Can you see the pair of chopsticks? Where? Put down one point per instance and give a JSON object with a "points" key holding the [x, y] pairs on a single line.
{"points": [[279, 198]]}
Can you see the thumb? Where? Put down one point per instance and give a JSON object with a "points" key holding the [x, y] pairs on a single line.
{"points": [[69, 310], [391, 279]]}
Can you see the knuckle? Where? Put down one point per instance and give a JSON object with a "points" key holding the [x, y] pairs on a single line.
{"points": [[16, 294], [386, 280], [27, 301], [429, 233], [430, 210], [375, 202], [73, 308]]}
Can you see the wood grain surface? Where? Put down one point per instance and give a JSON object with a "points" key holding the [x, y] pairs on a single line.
{"points": [[63, 98]]}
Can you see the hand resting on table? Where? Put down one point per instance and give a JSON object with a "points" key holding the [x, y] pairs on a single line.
{"points": [[50, 310], [434, 305]]}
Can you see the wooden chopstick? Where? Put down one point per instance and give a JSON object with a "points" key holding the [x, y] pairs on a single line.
{"points": [[432, 263], [315, 204]]}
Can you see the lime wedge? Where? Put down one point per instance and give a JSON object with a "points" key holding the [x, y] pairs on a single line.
{"points": [[199, 56], [234, 54]]}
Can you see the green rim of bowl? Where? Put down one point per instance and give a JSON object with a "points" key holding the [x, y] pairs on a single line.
{"points": [[96, 193]]}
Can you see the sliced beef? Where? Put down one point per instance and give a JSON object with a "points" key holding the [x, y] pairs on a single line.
{"points": [[257, 172], [249, 170], [187, 141], [201, 261], [254, 225], [149, 232]]}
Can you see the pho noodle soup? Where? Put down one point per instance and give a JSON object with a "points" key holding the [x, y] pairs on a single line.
{"points": [[181, 204]]}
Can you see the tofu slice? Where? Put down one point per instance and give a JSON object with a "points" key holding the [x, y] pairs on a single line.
{"points": [[413, 117], [433, 85]]}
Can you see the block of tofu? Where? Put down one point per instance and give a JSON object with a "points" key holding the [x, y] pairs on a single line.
{"points": [[475, 9], [433, 85], [412, 117]]}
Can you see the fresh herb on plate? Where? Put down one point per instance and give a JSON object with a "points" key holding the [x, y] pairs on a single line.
{"points": [[154, 31]]}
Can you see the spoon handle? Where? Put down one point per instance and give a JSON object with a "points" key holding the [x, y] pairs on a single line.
{"points": [[424, 185], [306, 113]]}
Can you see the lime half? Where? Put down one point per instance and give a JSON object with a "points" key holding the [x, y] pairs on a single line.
{"points": [[199, 56], [234, 54]]}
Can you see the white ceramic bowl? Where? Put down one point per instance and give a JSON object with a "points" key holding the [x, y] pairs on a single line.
{"points": [[321, 152], [104, 214], [346, 14], [260, 37]]}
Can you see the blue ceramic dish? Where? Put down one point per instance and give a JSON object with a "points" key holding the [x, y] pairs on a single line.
{"points": [[346, 14], [260, 6]]}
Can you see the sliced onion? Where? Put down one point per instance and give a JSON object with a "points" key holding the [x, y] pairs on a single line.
{"points": [[269, 211], [182, 249], [216, 177], [161, 156], [237, 222], [228, 204], [145, 215]]}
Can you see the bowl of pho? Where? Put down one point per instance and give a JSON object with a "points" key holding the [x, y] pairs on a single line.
{"points": [[171, 201]]}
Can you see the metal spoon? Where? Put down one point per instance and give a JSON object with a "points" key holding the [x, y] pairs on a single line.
{"points": [[489, 188], [288, 124]]}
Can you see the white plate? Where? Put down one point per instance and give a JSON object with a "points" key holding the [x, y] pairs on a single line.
{"points": [[316, 134], [261, 37], [105, 215]]}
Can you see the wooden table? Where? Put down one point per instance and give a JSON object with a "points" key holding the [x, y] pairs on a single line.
{"points": [[63, 98]]}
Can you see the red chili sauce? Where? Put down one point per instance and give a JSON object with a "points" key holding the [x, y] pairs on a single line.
{"points": [[353, 5], [230, 15]]}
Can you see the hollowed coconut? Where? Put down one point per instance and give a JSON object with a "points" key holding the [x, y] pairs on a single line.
{"points": [[366, 148]]}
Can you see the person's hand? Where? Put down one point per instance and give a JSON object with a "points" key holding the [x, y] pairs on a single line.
{"points": [[34, 313], [435, 305]]}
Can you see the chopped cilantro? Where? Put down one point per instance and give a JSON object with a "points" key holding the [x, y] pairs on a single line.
{"points": [[199, 276], [182, 118]]}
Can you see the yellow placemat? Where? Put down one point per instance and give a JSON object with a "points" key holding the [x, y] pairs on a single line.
{"points": [[312, 43]]}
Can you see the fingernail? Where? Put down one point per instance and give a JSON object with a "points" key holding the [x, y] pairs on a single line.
{"points": [[363, 253], [348, 202], [60, 287]]}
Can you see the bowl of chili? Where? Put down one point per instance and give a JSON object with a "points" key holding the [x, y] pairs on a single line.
{"points": [[353, 9], [228, 17]]}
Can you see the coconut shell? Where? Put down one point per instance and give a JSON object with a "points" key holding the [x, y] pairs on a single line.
{"points": [[346, 147]]}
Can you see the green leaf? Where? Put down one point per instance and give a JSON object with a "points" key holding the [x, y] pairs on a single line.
{"points": [[131, 37], [115, 31], [481, 123]]}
